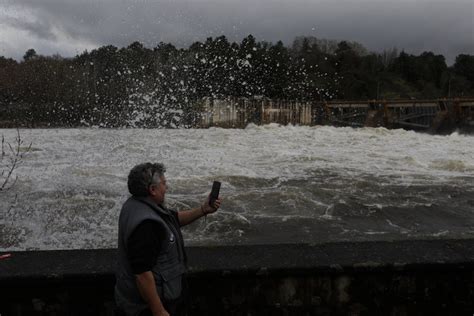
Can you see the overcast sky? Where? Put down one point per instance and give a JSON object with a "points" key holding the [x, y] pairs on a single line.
{"points": [[69, 27]]}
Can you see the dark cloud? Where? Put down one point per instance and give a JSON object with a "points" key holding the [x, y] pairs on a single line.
{"points": [[443, 27], [41, 29]]}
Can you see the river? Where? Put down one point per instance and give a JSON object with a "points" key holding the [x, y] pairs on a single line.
{"points": [[280, 184]]}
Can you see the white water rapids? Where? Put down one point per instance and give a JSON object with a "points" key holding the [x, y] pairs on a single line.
{"points": [[279, 184]]}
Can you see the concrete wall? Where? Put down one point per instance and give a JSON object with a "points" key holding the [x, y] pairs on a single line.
{"points": [[238, 112], [370, 278], [426, 115]]}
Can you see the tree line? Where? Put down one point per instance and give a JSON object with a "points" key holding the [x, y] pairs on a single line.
{"points": [[136, 86]]}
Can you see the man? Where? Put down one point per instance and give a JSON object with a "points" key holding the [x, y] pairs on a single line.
{"points": [[151, 255]]}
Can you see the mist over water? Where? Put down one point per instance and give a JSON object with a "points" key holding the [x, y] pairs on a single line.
{"points": [[280, 184]]}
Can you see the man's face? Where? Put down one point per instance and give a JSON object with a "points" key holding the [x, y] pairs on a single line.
{"points": [[157, 192]]}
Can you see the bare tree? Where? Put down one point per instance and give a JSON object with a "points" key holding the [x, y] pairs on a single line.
{"points": [[10, 159]]}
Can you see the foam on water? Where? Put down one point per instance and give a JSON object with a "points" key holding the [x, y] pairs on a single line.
{"points": [[280, 184]]}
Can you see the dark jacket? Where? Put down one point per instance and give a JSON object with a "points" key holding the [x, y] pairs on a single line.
{"points": [[171, 262]]}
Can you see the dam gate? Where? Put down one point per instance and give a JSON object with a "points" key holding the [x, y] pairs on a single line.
{"points": [[441, 115]]}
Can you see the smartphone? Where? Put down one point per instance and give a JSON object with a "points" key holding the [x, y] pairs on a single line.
{"points": [[216, 187]]}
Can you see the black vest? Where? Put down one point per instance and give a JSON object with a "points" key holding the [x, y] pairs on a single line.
{"points": [[171, 262]]}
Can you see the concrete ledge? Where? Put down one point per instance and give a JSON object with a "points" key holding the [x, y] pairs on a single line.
{"points": [[419, 277], [254, 259]]}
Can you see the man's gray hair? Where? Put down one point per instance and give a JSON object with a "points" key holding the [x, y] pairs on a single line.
{"points": [[142, 176]]}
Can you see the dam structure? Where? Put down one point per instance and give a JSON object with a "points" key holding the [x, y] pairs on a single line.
{"points": [[435, 116]]}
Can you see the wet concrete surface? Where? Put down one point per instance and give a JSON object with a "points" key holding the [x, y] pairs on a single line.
{"points": [[417, 277], [251, 258]]}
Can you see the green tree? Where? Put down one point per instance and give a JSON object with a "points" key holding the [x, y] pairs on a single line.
{"points": [[464, 68], [30, 54]]}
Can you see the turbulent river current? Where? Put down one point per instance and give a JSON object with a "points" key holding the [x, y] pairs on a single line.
{"points": [[280, 184]]}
